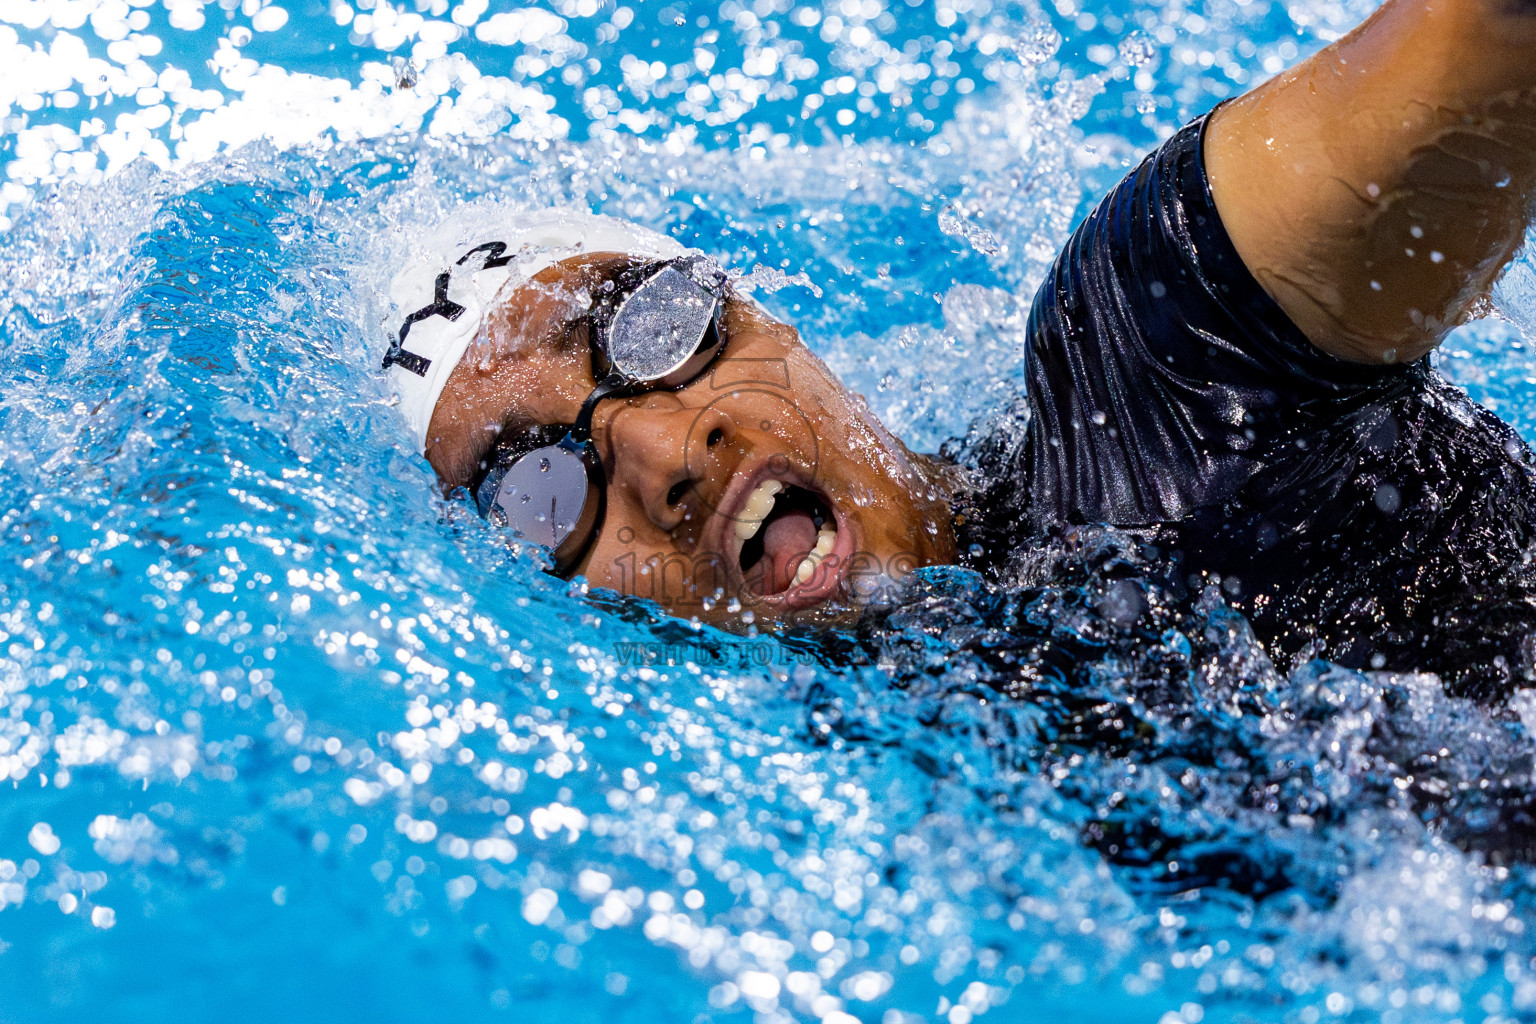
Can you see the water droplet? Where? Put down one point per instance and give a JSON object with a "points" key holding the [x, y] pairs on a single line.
{"points": [[1037, 44], [1137, 50], [405, 74]]}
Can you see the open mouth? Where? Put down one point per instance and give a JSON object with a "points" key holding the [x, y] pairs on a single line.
{"points": [[785, 532]]}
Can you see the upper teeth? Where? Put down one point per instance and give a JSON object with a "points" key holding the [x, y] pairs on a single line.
{"points": [[757, 508]]}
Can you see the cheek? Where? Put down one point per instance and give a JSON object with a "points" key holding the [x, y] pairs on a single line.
{"points": [[856, 449], [619, 556], [841, 414], [616, 556], [605, 565]]}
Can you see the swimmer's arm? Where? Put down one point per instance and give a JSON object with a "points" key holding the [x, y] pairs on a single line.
{"points": [[1377, 189]]}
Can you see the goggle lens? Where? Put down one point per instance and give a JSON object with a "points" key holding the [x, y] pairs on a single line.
{"points": [[541, 496], [661, 327]]}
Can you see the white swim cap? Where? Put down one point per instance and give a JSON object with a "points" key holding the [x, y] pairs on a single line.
{"points": [[442, 297]]}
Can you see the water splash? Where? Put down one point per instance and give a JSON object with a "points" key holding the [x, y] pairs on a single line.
{"points": [[770, 279], [276, 713]]}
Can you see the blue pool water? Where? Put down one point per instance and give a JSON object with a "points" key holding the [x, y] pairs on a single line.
{"points": [[291, 737]]}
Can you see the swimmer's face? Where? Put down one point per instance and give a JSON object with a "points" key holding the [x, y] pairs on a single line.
{"points": [[691, 472]]}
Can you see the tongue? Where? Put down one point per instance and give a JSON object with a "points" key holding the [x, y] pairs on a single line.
{"points": [[786, 539]]}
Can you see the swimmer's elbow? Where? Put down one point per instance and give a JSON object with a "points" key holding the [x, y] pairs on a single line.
{"points": [[1374, 319]]}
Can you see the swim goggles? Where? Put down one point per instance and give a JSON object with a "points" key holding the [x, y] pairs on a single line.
{"points": [[658, 328]]}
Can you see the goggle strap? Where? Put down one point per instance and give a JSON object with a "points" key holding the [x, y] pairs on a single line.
{"points": [[485, 493], [581, 430]]}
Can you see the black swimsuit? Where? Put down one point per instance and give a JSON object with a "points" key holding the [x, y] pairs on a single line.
{"points": [[1373, 515]]}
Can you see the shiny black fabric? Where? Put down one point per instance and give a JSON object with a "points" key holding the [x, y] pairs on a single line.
{"points": [[1370, 514]]}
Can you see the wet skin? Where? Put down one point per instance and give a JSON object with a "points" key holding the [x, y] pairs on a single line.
{"points": [[681, 465], [1378, 189]]}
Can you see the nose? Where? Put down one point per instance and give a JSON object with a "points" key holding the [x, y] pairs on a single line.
{"points": [[673, 459]]}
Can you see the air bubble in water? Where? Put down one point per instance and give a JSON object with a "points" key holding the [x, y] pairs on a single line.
{"points": [[1123, 603]]}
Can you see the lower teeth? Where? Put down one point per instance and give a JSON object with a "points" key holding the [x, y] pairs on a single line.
{"points": [[825, 538]]}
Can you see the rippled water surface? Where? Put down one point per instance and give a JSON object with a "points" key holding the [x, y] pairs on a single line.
{"points": [[291, 737]]}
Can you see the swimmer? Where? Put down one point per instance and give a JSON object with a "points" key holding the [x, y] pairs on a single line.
{"points": [[1228, 359]]}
